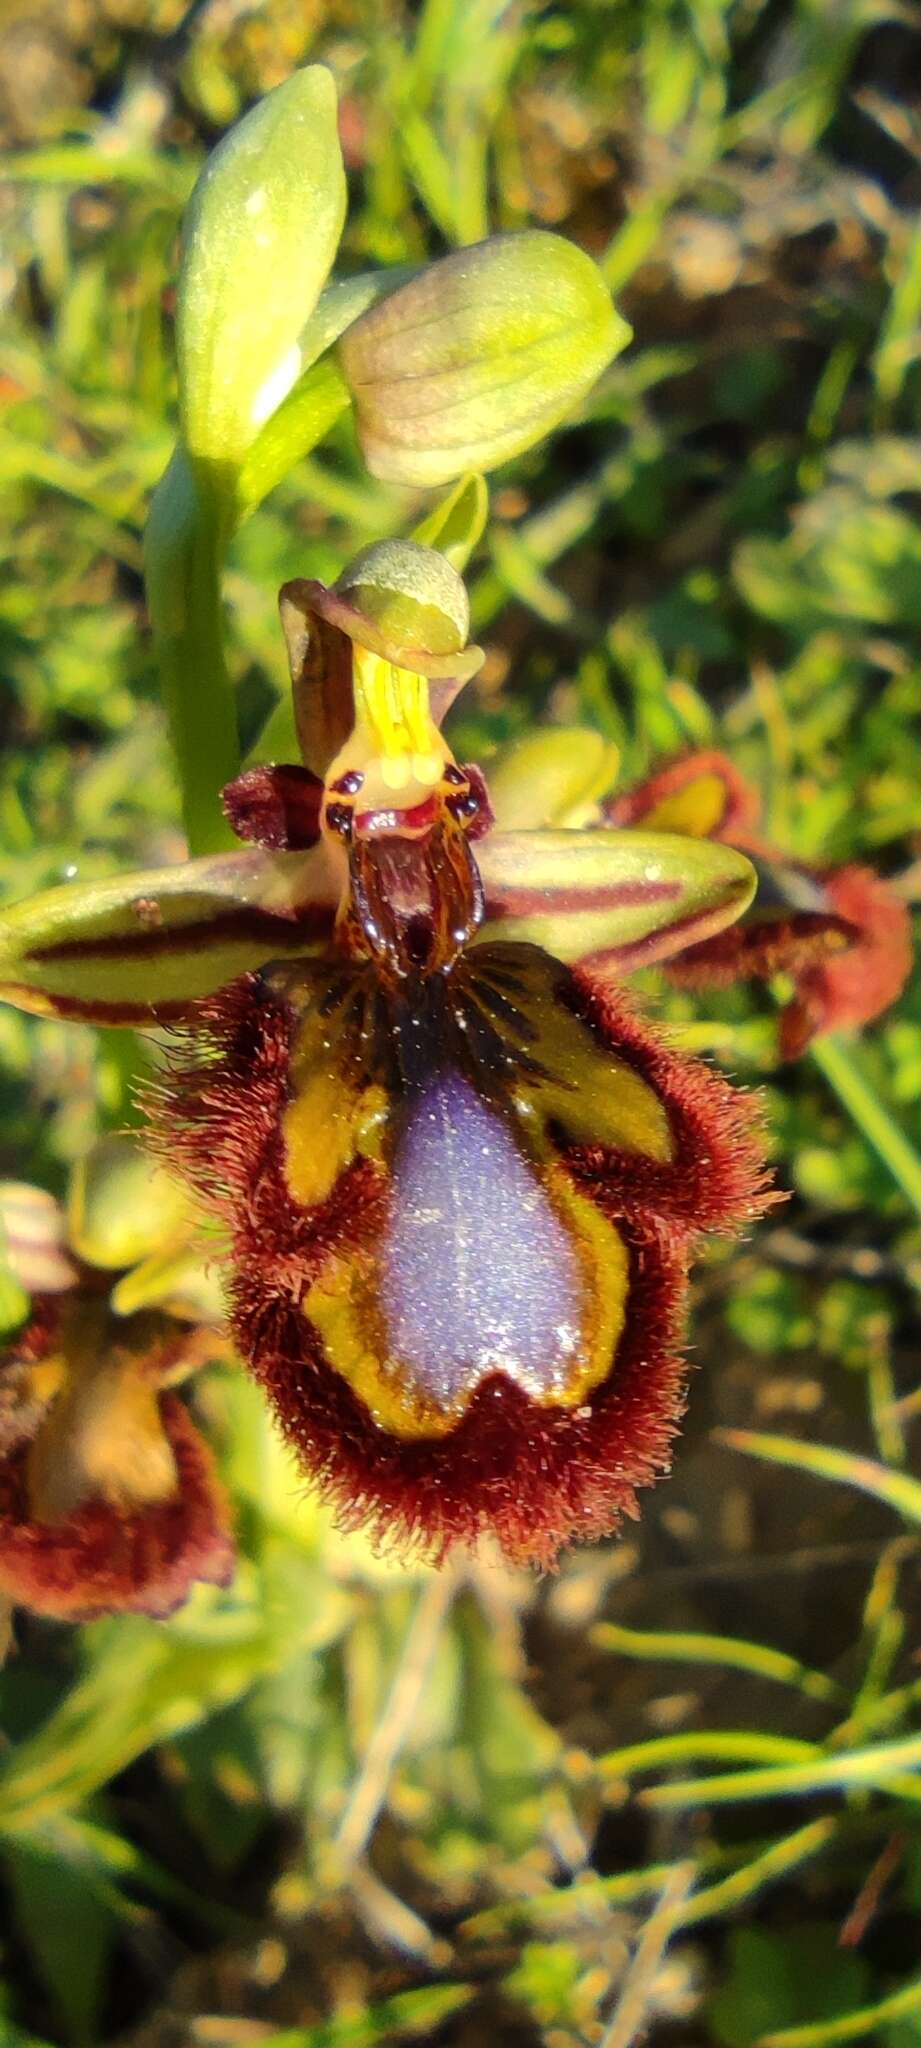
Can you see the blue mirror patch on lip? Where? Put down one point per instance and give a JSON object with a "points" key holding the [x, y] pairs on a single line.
{"points": [[478, 1273]]}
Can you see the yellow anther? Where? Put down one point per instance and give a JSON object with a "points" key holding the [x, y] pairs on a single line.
{"points": [[393, 704]]}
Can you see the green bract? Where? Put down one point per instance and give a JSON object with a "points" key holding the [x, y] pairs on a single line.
{"points": [[478, 357], [261, 233]]}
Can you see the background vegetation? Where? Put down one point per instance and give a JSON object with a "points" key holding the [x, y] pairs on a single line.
{"points": [[675, 1787]]}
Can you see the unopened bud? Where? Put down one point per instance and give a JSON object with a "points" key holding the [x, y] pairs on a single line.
{"points": [[260, 236], [479, 357]]}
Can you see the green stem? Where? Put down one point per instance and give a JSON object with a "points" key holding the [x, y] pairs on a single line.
{"points": [[193, 516], [870, 1115], [183, 560]]}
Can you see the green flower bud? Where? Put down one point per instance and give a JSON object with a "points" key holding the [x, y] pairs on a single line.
{"points": [[261, 232], [478, 357]]}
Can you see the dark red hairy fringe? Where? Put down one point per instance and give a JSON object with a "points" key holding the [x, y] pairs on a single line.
{"points": [[102, 1559], [536, 1477], [855, 987]]}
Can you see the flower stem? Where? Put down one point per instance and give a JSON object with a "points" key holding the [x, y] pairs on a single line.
{"points": [[870, 1115], [193, 516], [183, 558]]}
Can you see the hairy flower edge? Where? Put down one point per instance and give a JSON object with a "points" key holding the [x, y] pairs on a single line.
{"points": [[702, 794], [856, 986], [113, 1552]]}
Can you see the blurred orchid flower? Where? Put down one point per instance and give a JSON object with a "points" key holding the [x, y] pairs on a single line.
{"points": [[842, 934], [108, 1496]]}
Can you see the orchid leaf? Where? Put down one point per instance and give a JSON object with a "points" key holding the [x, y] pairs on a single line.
{"points": [[621, 899], [140, 948]]}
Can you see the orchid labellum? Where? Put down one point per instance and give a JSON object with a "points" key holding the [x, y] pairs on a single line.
{"points": [[460, 1176]]}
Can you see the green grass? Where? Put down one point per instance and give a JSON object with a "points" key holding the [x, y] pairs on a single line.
{"points": [[346, 1803]]}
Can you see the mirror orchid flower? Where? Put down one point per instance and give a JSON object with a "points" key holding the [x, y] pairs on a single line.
{"points": [[842, 934], [459, 1174], [109, 1499]]}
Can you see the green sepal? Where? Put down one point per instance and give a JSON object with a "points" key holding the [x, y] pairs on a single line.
{"points": [[625, 899], [139, 949]]}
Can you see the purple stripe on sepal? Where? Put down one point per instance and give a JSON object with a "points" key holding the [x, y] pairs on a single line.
{"points": [[521, 902], [658, 945], [310, 922]]}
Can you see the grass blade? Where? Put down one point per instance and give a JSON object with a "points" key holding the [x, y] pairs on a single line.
{"points": [[733, 1653], [896, 1489]]}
